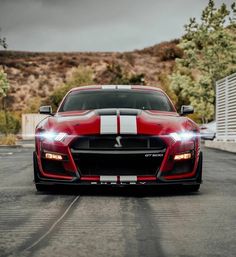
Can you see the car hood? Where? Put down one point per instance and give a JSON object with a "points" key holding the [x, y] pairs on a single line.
{"points": [[117, 121]]}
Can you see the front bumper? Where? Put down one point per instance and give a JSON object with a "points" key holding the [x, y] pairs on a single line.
{"points": [[159, 176], [78, 182]]}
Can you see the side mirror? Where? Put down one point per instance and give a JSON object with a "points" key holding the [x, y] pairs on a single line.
{"points": [[186, 109], [47, 109]]}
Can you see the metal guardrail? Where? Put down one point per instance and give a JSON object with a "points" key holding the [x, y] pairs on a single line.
{"points": [[226, 108]]}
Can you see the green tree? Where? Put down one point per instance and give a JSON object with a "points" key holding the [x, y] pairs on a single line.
{"points": [[3, 42], [8, 123], [209, 48], [4, 84]]}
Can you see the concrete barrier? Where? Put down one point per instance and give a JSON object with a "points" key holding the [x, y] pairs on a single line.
{"points": [[229, 146], [29, 123]]}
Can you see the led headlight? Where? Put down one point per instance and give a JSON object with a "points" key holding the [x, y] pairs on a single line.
{"points": [[183, 136], [52, 136], [47, 135]]}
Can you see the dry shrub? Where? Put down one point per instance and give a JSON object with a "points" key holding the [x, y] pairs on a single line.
{"points": [[129, 57], [168, 51], [33, 105], [81, 76], [8, 139], [10, 122], [70, 63]]}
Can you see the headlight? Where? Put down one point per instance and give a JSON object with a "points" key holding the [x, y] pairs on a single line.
{"points": [[52, 136], [183, 136], [183, 156]]}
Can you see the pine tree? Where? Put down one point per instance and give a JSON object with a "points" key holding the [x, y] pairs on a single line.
{"points": [[209, 48]]}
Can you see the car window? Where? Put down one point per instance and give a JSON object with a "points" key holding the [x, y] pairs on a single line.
{"points": [[101, 99]]}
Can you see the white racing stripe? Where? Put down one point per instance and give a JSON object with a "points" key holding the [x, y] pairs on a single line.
{"points": [[109, 87], [128, 124], [108, 178], [128, 178], [108, 124], [116, 87], [124, 87]]}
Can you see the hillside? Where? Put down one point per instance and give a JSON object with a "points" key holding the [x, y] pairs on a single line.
{"points": [[38, 74]]}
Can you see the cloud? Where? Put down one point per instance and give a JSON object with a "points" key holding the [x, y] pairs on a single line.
{"points": [[93, 25]]}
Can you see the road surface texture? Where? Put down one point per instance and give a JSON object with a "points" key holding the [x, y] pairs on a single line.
{"points": [[117, 222]]}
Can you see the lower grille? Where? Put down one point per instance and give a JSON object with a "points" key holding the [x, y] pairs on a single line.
{"points": [[118, 154], [118, 162], [181, 167], [54, 167]]}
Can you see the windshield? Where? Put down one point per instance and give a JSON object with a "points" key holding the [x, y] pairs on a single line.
{"points": [[103, 99]]}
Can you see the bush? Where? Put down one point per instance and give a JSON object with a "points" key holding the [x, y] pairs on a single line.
{"points": [[81, 77], [137, 79], [33, 105], [58, 94], [169, 51], [165, 51], [8, 140], [165, 85], [118, 76], [9, 123], [129, 57]]}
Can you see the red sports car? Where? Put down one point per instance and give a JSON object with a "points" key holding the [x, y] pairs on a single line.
{"points": [[117, 135]]}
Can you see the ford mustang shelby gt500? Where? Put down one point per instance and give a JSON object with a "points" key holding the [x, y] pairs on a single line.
{"points": [[117, 135]]}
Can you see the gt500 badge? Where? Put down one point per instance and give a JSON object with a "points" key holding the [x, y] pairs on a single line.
{"points": [[153, 155]]}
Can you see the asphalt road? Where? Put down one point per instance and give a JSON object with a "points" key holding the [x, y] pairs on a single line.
{"points": [[117, 222]]}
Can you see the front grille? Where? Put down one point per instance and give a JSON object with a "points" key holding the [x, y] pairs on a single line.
{"points": [[118, 142], [117, 164], [55, 167], [52, 166], [104, 155]]}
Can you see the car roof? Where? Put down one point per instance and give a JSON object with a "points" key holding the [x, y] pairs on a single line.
{"points": [[116, 87]]}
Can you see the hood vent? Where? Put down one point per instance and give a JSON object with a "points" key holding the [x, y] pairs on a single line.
{"points": [[132, 112]]}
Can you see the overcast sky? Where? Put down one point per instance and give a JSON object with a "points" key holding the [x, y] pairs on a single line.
{"points": [[94, 25]]}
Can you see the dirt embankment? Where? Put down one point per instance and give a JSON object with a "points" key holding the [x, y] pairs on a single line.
{"points": [[34, 74]]}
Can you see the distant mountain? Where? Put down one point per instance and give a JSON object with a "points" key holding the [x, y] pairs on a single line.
{"points": [[33, 74]]}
